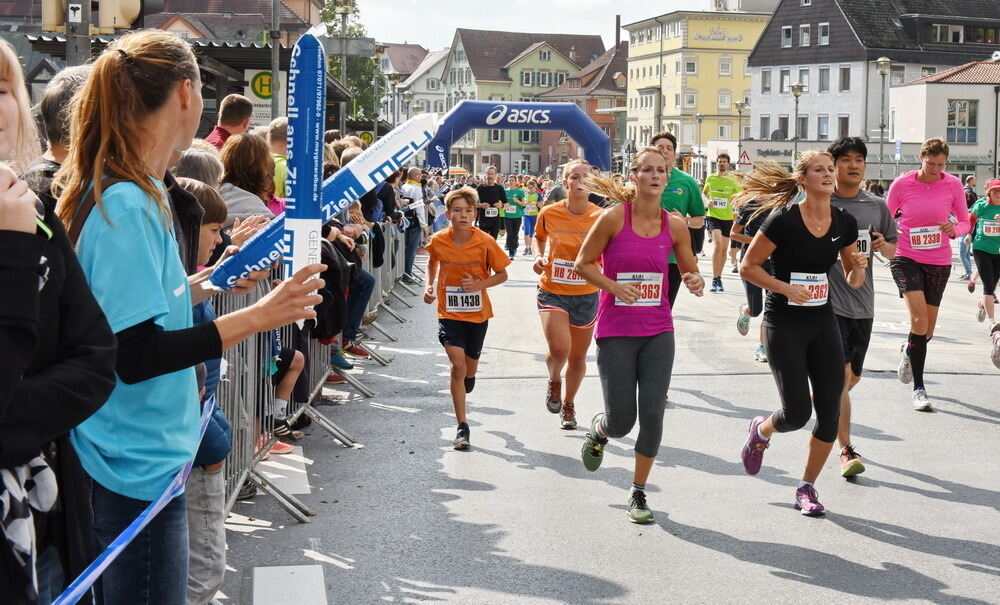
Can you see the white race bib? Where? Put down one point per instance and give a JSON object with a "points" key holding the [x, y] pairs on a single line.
{"points": [[457, 301], [650, 286], [816, 284], [991, 228], [564, 273], [531, 209], [925, 238], [864, 241], [511, 208], [492, 212], [719, 202]]}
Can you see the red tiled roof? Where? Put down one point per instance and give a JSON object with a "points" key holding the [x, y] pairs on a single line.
{"points": [[612, 62], [405, 58], [977, 72], [489, 51]]}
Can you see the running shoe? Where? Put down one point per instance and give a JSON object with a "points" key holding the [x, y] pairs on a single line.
{"points": [[470, 383], [283, 429], [715, 285], [278, 447], [720, 287], [920, 401], [850, 462], [995, 337], [411, 281], [972, 286], [753, 448], [461, 441], [527, 250], [335, 378], [592, 451], [553, 397], [905, 371], [807, 501], [637, 510], [247, 491], [964, 277], [568, 417], [735, 268], [355, 350], [338, 360], [742, 322], [761, 354], [981, 313]]}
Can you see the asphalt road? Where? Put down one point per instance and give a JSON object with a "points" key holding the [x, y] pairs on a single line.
{"points": [[517, 519]]}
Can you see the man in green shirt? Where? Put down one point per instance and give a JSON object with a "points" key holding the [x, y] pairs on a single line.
{"points": [[277, 138], [719, 190], [681, 197]]}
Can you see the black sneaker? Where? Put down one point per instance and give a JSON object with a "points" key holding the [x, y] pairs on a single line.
{"points": [[283, 429], [470, 383], [302, 422], [461, 441], [247, 491]]}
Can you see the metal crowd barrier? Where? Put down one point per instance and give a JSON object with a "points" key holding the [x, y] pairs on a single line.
{"points": [[246, 392]]}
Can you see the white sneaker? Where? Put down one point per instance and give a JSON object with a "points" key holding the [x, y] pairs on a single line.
{"points": [[995, 339], [742, 322], [761, 354], [920, 401], [904, 372], [981, 313]]}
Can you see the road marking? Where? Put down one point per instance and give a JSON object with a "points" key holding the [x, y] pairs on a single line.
{"points": [[298, 584], [288, 472], [394, 408]]}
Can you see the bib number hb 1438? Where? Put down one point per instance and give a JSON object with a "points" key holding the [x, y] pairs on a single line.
{"points": [[457, 301], [925, 238], [650, 286], [564, 273], [817, 285]]}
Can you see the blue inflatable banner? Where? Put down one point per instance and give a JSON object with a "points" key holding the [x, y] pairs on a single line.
{"points": [[568, 117], [258, 253], [306, 117]]}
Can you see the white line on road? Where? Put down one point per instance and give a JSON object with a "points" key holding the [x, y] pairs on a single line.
{"points": [[299, 584]]}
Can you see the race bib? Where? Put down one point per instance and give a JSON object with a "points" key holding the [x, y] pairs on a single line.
{"points": [[925, 238], [564, 273], [719, 202], [510, 208], [991, 228], [531, 209], [492, 212], [457, 301], [864, 241], [816, 284], [650, 286]]}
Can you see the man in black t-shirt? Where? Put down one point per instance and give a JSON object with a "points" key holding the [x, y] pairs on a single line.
{"points": [[492, 197]]}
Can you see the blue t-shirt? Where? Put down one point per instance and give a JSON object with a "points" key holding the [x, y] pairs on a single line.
{"points": [[145, 432]]}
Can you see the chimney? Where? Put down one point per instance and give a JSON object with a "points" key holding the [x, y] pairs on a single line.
{"points": [[618, 31], [572, 53]]}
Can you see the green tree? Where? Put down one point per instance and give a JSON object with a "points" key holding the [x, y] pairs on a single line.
{"points": [[362, 72]]}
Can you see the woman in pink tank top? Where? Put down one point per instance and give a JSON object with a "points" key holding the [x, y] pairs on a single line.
{"points": [[635, 329]]}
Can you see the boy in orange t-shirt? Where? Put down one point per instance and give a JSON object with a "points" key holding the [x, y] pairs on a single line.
{"points": [[462, 259]]}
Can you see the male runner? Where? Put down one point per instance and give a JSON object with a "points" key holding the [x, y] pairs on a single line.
{"points": [[719, 189]]}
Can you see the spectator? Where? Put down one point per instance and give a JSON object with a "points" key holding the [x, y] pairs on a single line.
{"points": [[964, 251], [412, 194], [277, 138], [260, 132], [147, 81], [234, 118], [331, 135], [201, 166], [331, 161], [354, 141], [338, 147], [246, 168]]}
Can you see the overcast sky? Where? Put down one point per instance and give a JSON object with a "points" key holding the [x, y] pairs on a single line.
{"points": [[432, 23]]}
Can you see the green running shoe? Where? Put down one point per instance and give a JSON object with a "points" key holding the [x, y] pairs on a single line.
{"points": [[592, 451], [638, 512]]}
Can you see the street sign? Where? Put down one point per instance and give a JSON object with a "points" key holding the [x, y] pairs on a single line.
{"points": [[356, 47], [75, 12], [259, 90], [899, 149], [744, 159], [367, 136]]}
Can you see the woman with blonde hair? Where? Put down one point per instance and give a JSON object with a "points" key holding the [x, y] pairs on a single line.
{"points": [[803, 241], [635, 328]]}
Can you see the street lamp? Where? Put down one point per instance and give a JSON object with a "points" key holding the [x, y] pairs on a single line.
{"points": [[393, 110], [883, 65], [797, 89], [741, 106], [407, 100], [379, 51], [701, 118]]}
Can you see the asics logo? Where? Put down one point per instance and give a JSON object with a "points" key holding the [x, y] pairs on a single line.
{"points": [[517, 116]]}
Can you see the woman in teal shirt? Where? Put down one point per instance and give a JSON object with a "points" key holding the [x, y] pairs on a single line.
{"points": [[985, 218]]}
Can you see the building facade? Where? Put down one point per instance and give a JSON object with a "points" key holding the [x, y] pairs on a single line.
{"points": [[397, 63]]}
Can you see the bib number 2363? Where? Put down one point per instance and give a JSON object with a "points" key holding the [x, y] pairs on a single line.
{"points": [[649, 285], [457, 301], [925, 238], [817, 285]]}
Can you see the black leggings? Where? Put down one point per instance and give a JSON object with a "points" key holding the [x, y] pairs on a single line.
{"points": [[800, 355], [513, 227], [755, 295], [989, 269], [697, 239]]}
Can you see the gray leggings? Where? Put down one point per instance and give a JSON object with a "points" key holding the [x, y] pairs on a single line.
{"points": [[628, 365]]}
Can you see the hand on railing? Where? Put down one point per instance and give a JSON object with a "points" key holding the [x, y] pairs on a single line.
{"points": [[291, 300]]}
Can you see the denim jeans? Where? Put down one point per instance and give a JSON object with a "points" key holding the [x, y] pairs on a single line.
{"points": [[154, 567], [964, 253], [413, 236], [357, 303], [206, 513], [51, 580]]}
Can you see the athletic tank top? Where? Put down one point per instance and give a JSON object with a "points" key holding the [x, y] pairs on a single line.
{"points": [[643, 262]]}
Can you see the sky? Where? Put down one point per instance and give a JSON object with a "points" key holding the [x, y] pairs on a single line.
{"points": [[432, 23]]}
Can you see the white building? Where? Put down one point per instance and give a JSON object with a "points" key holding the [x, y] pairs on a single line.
{"points": [[425, 86]]}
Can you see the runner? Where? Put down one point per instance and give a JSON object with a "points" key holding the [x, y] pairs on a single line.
{"points": [[513, 211], [923, 202], [567, 304], [803, 240], [532, 199], [682, 198], [491, 198], [465, 257], [855, 308], [719, 189], [746, 223], [635, 331], [985, 221]]}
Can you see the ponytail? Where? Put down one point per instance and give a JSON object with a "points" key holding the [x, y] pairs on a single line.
{"points": [[773, 186]]}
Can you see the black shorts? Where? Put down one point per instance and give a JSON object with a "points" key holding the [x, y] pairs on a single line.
{"points": [[912, 276], [465, 335], [283, 362], [717, 223], [855, 335]]}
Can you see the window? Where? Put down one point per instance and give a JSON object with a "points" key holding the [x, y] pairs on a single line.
{"points": [[953, 34], [725, 99], [725, 66], [677, 99], [657, 70], [496, 136], [524, 136], [806, 3], [804, 31], [786, 36], [560, 78], [784, 81], [690, 99], [746, 68], [845, 79], [438, 106], [544, 78], [746, 131], [823, 128], [765, 81], [962, 120], [545, 55], [843, 126], [432, 84], [468, 75], [725, 130], [803, 130], [897, 75], [451, 77], [691, 66], [783, 127], [823, 34], [765, 127], [677, 67], [643, 73], [526, 76], [824, 79], [927, 71], [804, 78]]}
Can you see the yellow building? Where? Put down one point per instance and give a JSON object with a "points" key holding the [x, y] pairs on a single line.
{"points": [[688, 65]]}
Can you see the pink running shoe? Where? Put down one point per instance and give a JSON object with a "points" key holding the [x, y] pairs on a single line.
{"points": [[807, 501], [753, 449]]}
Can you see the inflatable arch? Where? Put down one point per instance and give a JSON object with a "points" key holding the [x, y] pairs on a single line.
{"points": [[568, 117]]}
